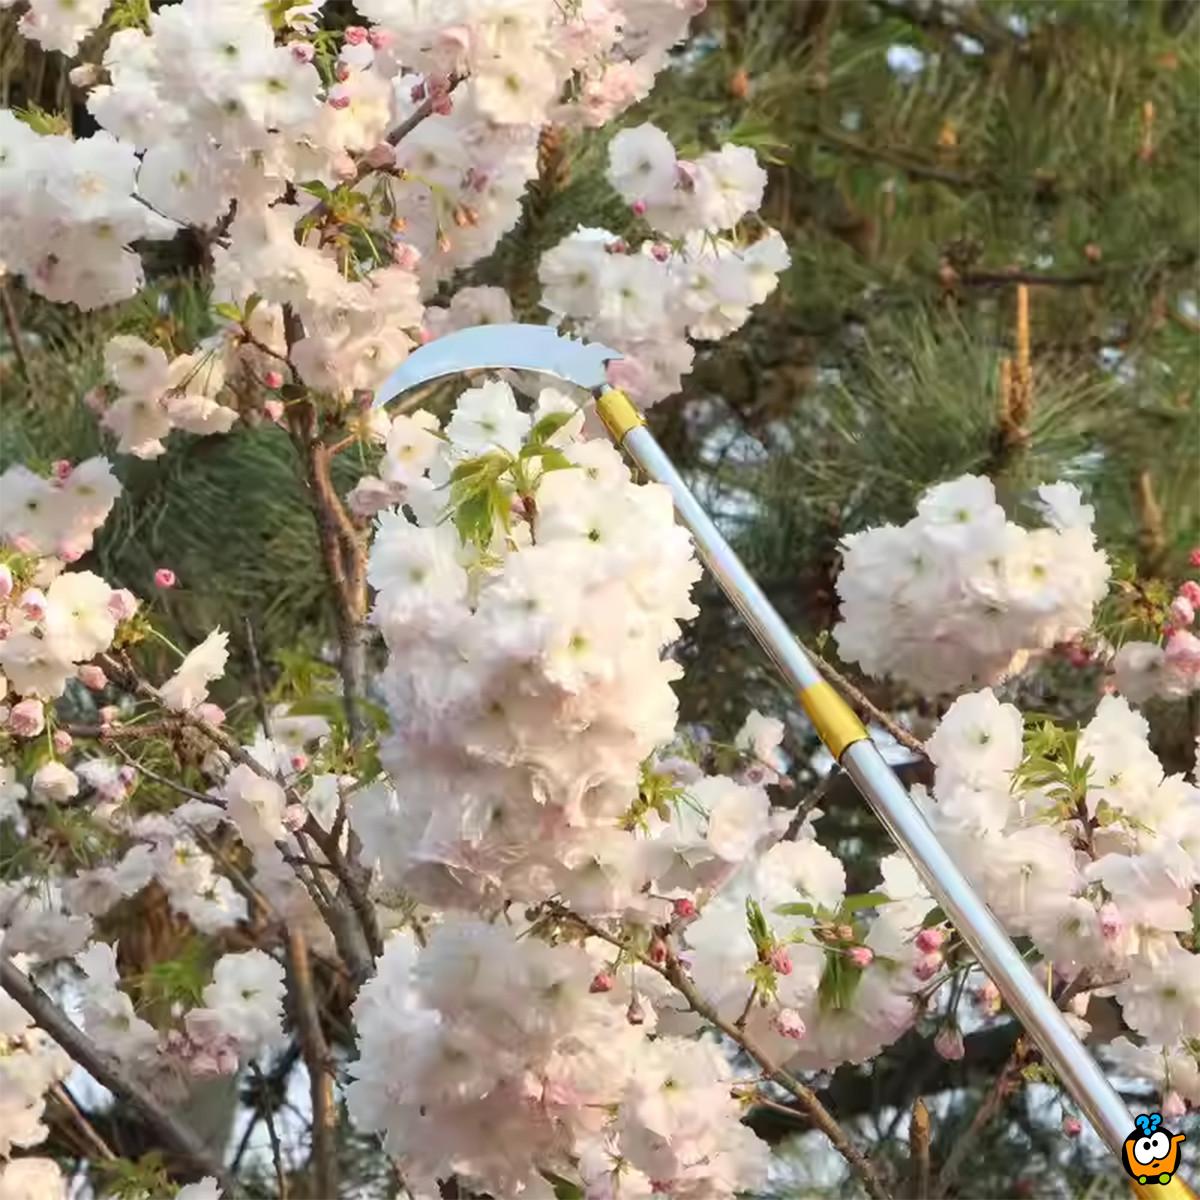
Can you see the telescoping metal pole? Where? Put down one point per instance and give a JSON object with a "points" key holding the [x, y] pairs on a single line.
{"points": [[847, 740]]}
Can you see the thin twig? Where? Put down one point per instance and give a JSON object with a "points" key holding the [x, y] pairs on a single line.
{"points": [[264, 1101], [88, 1131], [866, 706], [320, 1066], [181, 788], [918, 1150], [14, 328], [800, 814], [177, 1138]]}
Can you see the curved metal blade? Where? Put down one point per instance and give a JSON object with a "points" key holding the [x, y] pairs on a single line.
{"points": [[516, 347]]}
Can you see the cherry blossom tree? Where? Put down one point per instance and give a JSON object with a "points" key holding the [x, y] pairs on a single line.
{"points": [[529, 935]]}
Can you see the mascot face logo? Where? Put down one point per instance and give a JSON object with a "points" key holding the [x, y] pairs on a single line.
{"points": [[1151, 1152]]}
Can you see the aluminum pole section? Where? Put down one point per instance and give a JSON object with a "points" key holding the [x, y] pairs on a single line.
{"points": [[846, 739]]}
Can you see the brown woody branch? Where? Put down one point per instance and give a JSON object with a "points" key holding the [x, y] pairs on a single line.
{"points": [[177, 1138]]}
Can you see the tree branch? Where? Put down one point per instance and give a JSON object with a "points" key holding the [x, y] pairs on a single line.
{"points": [[178, 1139], [320, 1067]]}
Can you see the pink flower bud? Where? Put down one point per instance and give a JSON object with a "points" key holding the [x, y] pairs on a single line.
{"points": [[92, 677], [6, 581], [71, 552], [635, 1014], [1173, 1106], [987, 996], [1072, 1127], [122, 604], [27, 719], [1190, 591], [602, 981], [303, 52], [381, 39], [214, 714], [381, 155], [787, 1022], [299, 762], [658, 950], [418, 92], [949, 1043], [780, 960], [61, 469], [341, 100], [424, 336], [342, 72], [294, 817], [639, 207], [62, 740], [33, 603], [273, 410], [108, 714], [356, 35], [1194, 557], [442, 106], [1078, 655], [405, 255], [127, 774], [1112, 924], [861, 957], [1182, 612], [660, 252], [1183, 651], [164, 578], [96, 399], [931, 939], [273, 379], [927, 967], [684, 909]]}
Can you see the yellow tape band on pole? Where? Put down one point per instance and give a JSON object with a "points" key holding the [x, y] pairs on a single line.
{"points": [[834, 719], [618, 414], [1175, 1190]]}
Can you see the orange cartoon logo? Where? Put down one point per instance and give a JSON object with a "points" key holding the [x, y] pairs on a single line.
{"points": [[1151, 1152]]}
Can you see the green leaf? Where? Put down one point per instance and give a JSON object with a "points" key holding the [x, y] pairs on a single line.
{"points": [[935, 917], [548, 426], [756, 923], [839, 981], [230, 312], [853, 904], [553, 459], [42, 121], [252, 302], [798, 909]]}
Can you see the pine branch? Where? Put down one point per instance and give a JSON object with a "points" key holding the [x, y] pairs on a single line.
{"points": [[177, 1138]]}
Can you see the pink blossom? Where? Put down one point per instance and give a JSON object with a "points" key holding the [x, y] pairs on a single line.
{"points": [[6, 581], [1112, 924], [1182, 612], [639, 207], [164, 578], [273, 379], [931, 939], [303, 52], [987, 996], [127, 774], [862, 957], [96, 399], [380, 39], [27, 719], [108, 714], [1072, 1126], [294, 817], [61, 469], [1194, 557], [299, 762], [927, 967], [780, 960], [949, 1043], [22, 545], [122, 604], [788, 1023], [684, 909], [602, 981], [33, 603], [339, 100], [214, 714], [405, 255], [1190, 591], [635, 1014], [382, 154], [62, 740], [1173, 1106], [658, 950], [273, 409], [1183, 651], [356, 35], [660, 252], [92, 677]]}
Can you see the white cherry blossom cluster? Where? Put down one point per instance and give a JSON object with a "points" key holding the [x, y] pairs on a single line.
{"points": [[68, 214], [962, 595], [56, 516], [499, 1055], [1097, 866], [526, 681], [693, 278]]}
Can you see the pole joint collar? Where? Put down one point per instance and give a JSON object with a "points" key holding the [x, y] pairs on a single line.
{"points": [[619, 415], [835, 722]]}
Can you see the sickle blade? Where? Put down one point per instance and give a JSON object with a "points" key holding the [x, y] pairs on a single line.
{"points": [[535, 348]]}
